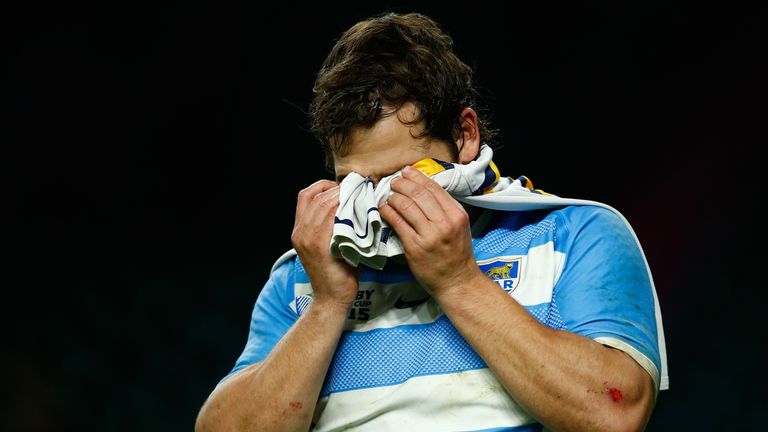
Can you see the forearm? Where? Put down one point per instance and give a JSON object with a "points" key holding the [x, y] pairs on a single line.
{"points": [[279, 393], [566, 381]]}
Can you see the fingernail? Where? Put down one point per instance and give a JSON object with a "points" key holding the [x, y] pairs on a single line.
{"points": [[408, 169]]}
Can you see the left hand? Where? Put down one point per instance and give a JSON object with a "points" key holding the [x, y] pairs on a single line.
{"points": [[434, 230]]}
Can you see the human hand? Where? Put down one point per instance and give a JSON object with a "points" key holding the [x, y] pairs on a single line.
{"points": [[332, 279], [434, 230]]}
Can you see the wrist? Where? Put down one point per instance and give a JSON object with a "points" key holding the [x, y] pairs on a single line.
{"points": [[330, 306], [461, 288]]}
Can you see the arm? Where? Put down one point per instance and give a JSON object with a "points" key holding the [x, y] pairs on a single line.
{"points": [[280, 392], [564, 380]]}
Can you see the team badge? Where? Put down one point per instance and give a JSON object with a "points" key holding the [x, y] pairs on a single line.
{"points": [[505, 271]]}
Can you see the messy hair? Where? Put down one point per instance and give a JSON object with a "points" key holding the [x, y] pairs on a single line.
{"points": [[388, 60]]}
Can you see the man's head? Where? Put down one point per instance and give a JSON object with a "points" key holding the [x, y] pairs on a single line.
{"points": [[388, 64]]}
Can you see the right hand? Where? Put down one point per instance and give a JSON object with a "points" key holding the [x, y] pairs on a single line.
{"points": [[333, 280]]}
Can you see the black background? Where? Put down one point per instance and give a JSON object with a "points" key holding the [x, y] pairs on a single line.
{"points": [[152, 155]]}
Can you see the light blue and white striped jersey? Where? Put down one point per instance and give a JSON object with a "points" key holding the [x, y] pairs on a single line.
{"points": [[400, 363]]}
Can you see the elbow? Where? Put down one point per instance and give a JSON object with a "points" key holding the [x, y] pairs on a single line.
{"points": [[627, 415], [626, 419], [632, 410], [631, 416], [208, 423], [212, 419], [200, 425], [631, 421], [222, 412], [205, 422]]}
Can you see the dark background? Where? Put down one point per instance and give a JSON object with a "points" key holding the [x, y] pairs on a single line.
{"points": [[142, 218]]}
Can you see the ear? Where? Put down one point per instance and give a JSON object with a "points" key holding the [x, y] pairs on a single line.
{"points": [[470, 133]]}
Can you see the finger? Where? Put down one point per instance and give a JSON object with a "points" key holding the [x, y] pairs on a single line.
{"points": [[443, 198], [397, 222], [409, 210], [314, 221], [323, 205], [327, 199], [420, 193], [309, 193]]}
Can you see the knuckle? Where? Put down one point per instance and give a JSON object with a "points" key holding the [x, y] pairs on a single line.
{"points": [[459, 217], [407, 204], [296, 239], [327, 203], [420, 191], [432, 187], [394, 200], [304, 192]]}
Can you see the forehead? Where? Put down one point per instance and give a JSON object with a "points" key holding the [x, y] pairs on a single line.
{"points": [[381, 149]]}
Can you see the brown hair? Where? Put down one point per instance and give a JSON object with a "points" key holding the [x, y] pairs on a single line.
{"points": [[391, 59]]}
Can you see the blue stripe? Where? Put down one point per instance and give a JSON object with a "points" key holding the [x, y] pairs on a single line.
{"points": [[517, 251], [385, 232], [385, 357], [352, 225], [390, 356], [515, 233], [490, 178], [391, 273], [533, 427], [446, 165]]}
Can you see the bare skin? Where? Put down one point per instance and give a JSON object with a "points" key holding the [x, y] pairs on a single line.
{"points": [[566, 381]]}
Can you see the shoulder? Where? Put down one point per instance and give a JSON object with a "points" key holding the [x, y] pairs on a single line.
{"points": [[590, 221], [572, 216], [282, 275], [561, 226], [285, 263], [578, 216], [563, 220]]}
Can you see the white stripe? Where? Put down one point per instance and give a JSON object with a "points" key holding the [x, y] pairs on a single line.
{"points": [[539, 274], [539, 271], [469, 400], [382, 313]]}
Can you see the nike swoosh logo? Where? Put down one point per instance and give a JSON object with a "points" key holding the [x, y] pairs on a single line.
{"points": [[405, 304]]}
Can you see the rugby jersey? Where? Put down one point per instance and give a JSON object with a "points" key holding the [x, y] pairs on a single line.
{"points": [[401, 364]]}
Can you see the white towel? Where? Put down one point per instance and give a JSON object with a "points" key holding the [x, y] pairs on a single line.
{"points": [[361, 236]]}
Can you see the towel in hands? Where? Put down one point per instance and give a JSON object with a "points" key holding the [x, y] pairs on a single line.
{"points": [[359, 233]]}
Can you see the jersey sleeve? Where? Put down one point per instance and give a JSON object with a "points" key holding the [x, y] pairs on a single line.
{"points": [[272, 317], [605, 290]]}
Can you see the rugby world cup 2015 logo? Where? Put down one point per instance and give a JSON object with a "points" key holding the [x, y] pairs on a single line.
{"points": [[505, 271]]}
